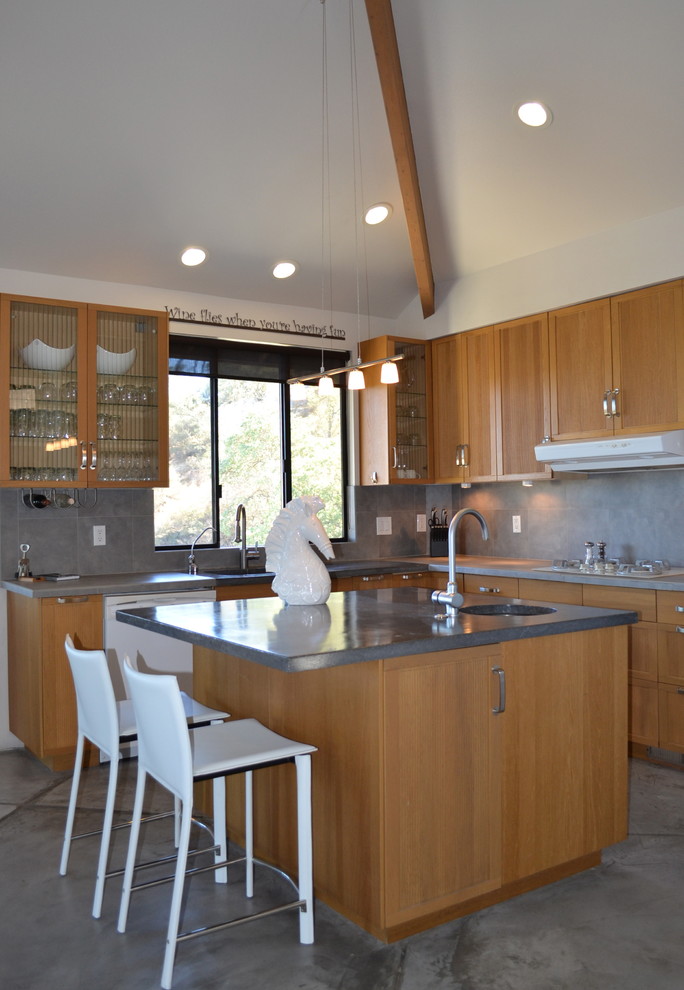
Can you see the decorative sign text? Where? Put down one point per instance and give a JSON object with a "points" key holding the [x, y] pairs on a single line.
{"points": [[205, 317]]}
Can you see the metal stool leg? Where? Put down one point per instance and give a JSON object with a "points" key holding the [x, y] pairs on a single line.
{"points": [[304, 848], [69, 828]]}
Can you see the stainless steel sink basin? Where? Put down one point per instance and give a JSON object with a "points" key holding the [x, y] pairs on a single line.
{"points": [[507, 608], [219, 572]]}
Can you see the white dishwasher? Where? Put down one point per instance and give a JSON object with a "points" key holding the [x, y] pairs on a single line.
{"points": [[151, 651]]}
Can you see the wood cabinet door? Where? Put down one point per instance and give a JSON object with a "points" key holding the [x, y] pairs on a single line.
{"points": [[523, 387], [580, 366], [565, 748], [442, 781], [550, 591], [484, 584], [648, 358], [643, 712], [81, 618], [448, 409], [671, 717], [671, 654], [479, 378]]}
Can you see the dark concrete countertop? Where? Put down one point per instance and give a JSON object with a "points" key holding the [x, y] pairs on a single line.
{"points": [[527, 568], [165, 581], [353, 626]]}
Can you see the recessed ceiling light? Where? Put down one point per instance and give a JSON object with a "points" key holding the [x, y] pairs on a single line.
{"points": [[378, 213], [534, 114], [193, 256], [284, 269]]}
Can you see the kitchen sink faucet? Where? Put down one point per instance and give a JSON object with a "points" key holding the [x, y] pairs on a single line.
{"points": [[451, 598], [192, 563]]}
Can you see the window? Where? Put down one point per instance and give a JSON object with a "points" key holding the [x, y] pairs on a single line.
{"points": [[236, 434]]}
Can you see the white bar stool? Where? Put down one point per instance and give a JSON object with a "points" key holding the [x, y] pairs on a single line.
{"points": [[107, 723], [176, 758]]}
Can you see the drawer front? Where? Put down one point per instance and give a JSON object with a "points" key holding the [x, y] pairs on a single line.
{"points": [[639, 600], [371, 581], [480, 584], [421, 579], [237, 592], [342, 584], [670, 607], [550, 591], [671, 654]]}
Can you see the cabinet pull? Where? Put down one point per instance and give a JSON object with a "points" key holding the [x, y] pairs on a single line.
{"points": [[84, 456], [414, 574], [373, 577], [93, 455], [491, 591], [679, 608], [394, 458], [459, 455], [606, 396], [501, 674], [680, 690], [74, 600], [465, 462], [679, 629], [613, 402]]}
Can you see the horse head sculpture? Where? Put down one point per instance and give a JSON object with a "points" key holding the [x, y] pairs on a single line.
{"points": [[301, 577]]}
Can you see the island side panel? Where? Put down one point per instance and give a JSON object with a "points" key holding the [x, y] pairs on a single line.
{"points": [[565, 750], [339, 710]]}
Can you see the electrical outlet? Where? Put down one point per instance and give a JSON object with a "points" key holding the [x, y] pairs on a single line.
{"points": [[516, 524], [99, 536], [383, 525], [421, 524]]}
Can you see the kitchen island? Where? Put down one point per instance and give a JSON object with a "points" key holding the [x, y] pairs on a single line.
{"points": [[459, 763]]}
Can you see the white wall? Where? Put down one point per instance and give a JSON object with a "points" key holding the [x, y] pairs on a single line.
{"points": [[628, 257]]}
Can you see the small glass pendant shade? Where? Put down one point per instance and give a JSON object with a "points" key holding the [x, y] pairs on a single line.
{"points": [[389, 373], [356, 380]]}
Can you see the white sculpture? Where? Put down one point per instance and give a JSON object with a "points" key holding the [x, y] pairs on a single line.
{"points": [[301, 577]]}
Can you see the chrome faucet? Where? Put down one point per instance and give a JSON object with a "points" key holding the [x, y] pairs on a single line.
{"points": [[451, 598], [192, 564], [241, 534]]}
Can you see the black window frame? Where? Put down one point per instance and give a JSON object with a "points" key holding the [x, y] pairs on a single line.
{"points": [[210, 357]]}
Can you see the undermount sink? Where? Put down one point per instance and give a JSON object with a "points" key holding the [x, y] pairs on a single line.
{"points": [[507, 608], [219, 572]]}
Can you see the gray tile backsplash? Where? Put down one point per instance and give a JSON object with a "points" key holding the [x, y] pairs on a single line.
{"points": [[638, 515]]}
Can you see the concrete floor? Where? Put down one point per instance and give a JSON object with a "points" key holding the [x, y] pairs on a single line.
{"points": [[616, 927]]}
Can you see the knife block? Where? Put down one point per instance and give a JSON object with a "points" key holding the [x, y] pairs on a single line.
{"points": [[439, 546]]}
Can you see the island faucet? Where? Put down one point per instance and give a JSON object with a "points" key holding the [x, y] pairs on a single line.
{"points": [[192, 564], [241, 534], [451, 598]]}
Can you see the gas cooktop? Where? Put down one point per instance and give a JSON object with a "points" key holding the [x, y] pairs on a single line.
{"points": [[641, 569]]}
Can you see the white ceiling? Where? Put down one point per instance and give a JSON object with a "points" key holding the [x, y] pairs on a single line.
{"points": [[131, 129]]}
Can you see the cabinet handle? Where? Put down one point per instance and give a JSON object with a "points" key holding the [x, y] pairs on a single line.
{"points": [[93, 455], [680, 690], [679, 629], [75, 600], [501, 674], [374, 577], [679, 608], [84, 456], [613, 402], [394, 458], [606, 396], [491, 591], [414, 574], [459, 455], [466, 461]]}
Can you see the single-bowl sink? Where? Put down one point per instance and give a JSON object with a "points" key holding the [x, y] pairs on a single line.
{"points": [[507, 608]]}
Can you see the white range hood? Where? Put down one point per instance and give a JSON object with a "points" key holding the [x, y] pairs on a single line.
{"points": [[618, 453]]}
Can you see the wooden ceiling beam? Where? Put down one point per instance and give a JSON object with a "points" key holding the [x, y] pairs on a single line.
{"points": [[384, 39]]}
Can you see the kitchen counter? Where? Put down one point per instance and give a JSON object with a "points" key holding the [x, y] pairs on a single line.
{"points": [[158, 581], [354, 626], [440, 747]]}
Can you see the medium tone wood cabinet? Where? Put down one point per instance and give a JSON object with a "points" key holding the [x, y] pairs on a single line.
{"points": [[428, 801], [42, 701], [395, 426], [617, 364], [87, 395]]}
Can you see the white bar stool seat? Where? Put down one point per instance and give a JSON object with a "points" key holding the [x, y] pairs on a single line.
{"points": [[107, 723], [177, 758]]}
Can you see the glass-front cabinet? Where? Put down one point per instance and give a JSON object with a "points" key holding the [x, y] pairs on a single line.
{"points": [[87, 395], [394, 426]]}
